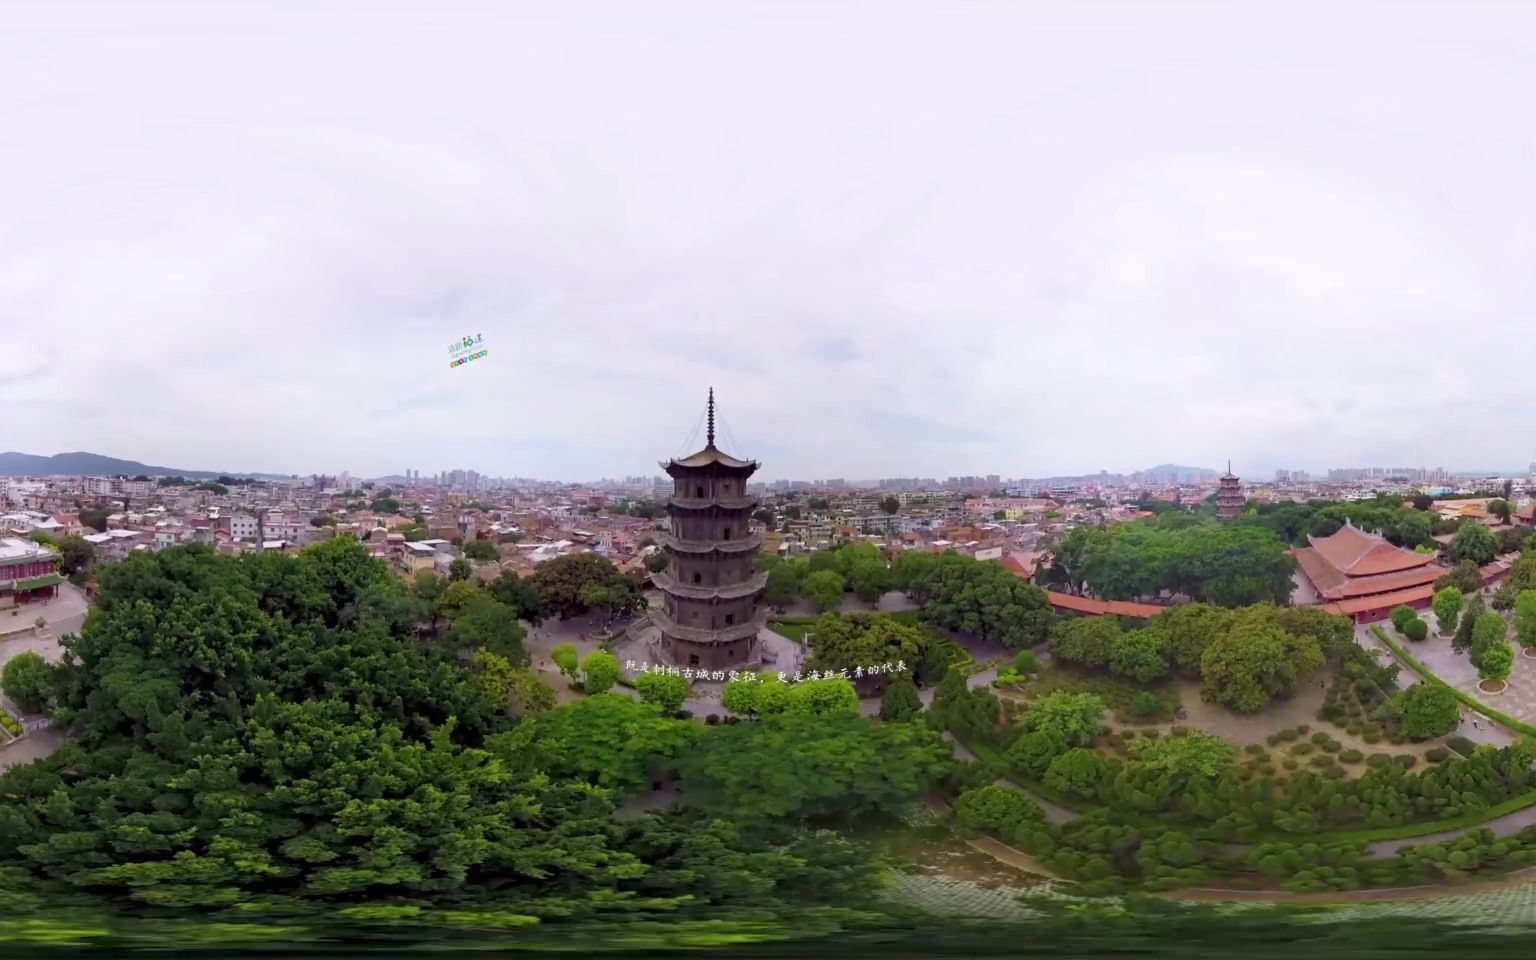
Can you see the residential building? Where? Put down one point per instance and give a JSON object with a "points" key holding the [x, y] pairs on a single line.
{"points": [[28, 572]]}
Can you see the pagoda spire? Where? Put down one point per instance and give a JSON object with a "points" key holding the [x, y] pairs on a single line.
{"points": [[711, 442]]}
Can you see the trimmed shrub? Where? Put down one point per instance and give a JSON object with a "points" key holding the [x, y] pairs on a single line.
{"points": [[1288, 735], [1273, 739], [1373, 738], [1254, 748], [1322, 760], [1334, 773], [1351, 756], [1461, 745], [1303, 729], [1290, 763], [1332, 746], [1407, 761], [1267, 769], [1436, 754], [1320, 738], [1302, 749], [713, 719], [1416, 630], [1379, 760]]}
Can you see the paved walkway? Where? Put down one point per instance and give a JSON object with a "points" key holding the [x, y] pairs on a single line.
{"points": [[34, 746], [1437, 650]]}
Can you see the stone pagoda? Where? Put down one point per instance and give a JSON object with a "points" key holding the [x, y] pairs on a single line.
{"points": [[708, 616], [1229, 496]]}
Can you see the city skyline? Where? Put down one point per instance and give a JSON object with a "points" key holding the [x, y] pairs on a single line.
{"points": [[1085, 243]]}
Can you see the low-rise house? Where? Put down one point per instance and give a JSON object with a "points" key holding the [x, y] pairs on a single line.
{"points": [[28, 571]]}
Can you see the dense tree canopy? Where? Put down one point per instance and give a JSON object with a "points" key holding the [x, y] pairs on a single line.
{"points": [[800, 765], [268, 732], [973, 596], [845, 642], [1474, 542], [1256, 661], [571, 585]]}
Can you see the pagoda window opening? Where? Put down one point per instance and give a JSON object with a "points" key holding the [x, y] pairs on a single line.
{"points": [[699, 492], [725, 534], [697, 578], [730, 619], [693, 659]]}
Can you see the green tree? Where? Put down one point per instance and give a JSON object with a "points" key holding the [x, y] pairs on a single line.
{"points": [[1471, 612], [95, 518], [612, 741], [1490, 651], [1447, 606], [1138, 655], [484, 624], [1400, 616], [844, 642], [1085, 640], [1188, 629], [1255, 662], [1525, 618], [385, 505], [480, 550], [1500, 509], [999, 514], [1474, 542], [825, 588], [742, 696], [899, 703], [1194, 755], [1416, 630], [599, 671], [827, 696], [27, 679], [519, 595], [1074, 717], [561, 583], [1428, 710], [459, 569], [1079, 772], [800, 765], [521, 690], [75, 554], [1465, 577], [889, 505], [997, 808], [1031, 754], [783, 585], [657, 561], [39, 536], [567, 658], [869, 580], [665, 690]]}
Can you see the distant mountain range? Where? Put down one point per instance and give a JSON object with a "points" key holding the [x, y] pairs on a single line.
{"points": [[13, 464]]}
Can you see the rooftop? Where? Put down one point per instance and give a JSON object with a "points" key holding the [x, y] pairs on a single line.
{"points": [[14, 548]]}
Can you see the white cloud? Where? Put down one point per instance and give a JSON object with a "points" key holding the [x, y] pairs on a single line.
{"points": [[899, 239]]}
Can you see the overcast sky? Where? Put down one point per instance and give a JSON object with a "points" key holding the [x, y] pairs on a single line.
{"points": [[898, 239]]}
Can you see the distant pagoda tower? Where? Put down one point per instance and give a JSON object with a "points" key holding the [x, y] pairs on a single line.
{"points": [[711, 584], [1229, 496]]}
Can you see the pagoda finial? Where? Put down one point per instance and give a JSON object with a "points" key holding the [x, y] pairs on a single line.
{"points": [[1229, 466], [711, 417]]}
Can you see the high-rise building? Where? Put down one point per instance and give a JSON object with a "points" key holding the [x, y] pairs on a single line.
{"points": [[708, 616]]}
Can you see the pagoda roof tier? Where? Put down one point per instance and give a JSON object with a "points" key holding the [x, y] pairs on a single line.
{"points": [[672, 628], [711, 503], [726, 591], [745, 544], [710, 456]]}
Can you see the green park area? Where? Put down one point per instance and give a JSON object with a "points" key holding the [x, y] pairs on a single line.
{"points": [[285, 746]]}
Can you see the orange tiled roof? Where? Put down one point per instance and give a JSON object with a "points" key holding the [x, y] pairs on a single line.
{"points": [[1092, 607], [1356, 553], [1382, 601]]}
